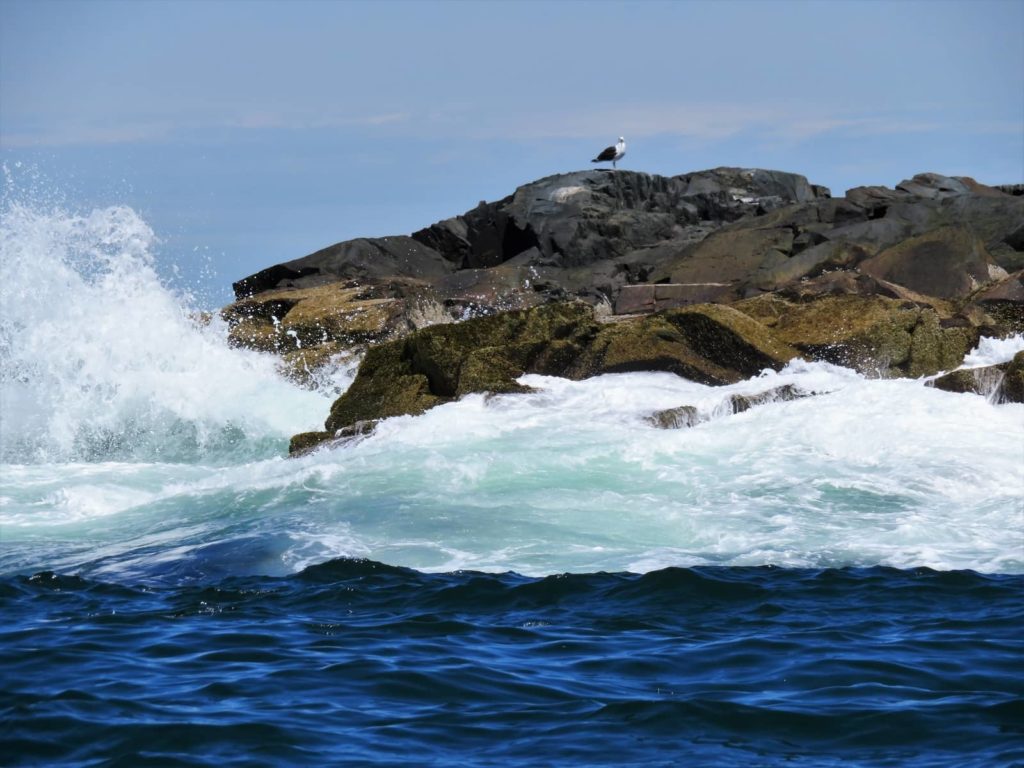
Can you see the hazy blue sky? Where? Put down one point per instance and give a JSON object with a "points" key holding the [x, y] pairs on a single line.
{"points": [[251, 133]]}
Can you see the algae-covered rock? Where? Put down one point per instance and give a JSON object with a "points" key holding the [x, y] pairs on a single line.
{"points": [[441, 363], [1003, 383], [310, 326], [386, 385], [1012, 390], [983, 381], [709, 343], [871, 334], [305, 442]]}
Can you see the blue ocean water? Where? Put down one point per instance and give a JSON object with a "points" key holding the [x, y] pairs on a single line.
{"points": [[539, 579], [356, 662]]}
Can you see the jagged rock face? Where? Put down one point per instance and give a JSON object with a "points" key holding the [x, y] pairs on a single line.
{"points": [[577, 219], [937, 239], [590, 220], [724, 234]]}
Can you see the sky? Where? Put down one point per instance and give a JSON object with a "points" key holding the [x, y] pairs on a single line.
{"points": [[248, 133]]}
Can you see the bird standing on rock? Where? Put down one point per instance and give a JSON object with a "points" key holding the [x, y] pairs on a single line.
{"points": [[612, 153]]}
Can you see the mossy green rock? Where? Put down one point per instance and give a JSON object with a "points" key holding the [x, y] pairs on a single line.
{"points": [[708, 343], [1013, 382], [1003, 382], [872, 334], [441, 363]]}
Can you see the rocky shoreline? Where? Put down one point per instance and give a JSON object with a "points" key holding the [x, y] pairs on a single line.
{"points": [[714, 275]]}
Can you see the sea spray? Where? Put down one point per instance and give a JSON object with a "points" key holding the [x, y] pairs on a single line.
{"points": [[101, 361]]}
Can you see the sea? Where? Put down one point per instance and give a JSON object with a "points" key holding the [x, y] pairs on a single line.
{"points": [[539, 579]]}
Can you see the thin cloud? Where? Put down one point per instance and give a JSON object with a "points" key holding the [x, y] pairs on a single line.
{"points": [[699, 121], [272, 120], [69, 136]]}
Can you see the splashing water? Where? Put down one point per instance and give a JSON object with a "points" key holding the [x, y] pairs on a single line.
{"points": [[101, 361]]}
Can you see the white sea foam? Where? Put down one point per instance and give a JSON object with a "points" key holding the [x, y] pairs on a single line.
{"points": [[100, 359], [992, 351]]}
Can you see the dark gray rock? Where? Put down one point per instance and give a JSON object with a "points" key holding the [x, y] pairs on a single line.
{"points": [[685, 416], [676, 418], [364, 258], [948, 262], [934, 186], [984, 381], [726, 233]]}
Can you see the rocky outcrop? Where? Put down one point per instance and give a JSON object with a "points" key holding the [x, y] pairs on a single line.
{"points": [[707, 343], [590, 234], [713, 275]]}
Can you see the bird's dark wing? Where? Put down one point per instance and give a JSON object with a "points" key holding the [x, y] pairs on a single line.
{"points": [[606, 154]]}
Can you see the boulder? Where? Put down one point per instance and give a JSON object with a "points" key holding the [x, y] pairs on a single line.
{"points": [[1012, 390], [689, 416], [709, 343], [874, 335], [1004, 302], [307, 442], [441, 363], [1002, 383], [360, 259], [984, 381], [681, 417], [948, 262]]}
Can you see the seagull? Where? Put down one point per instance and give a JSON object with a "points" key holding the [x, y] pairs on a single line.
{"points": [[612, 153]]}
